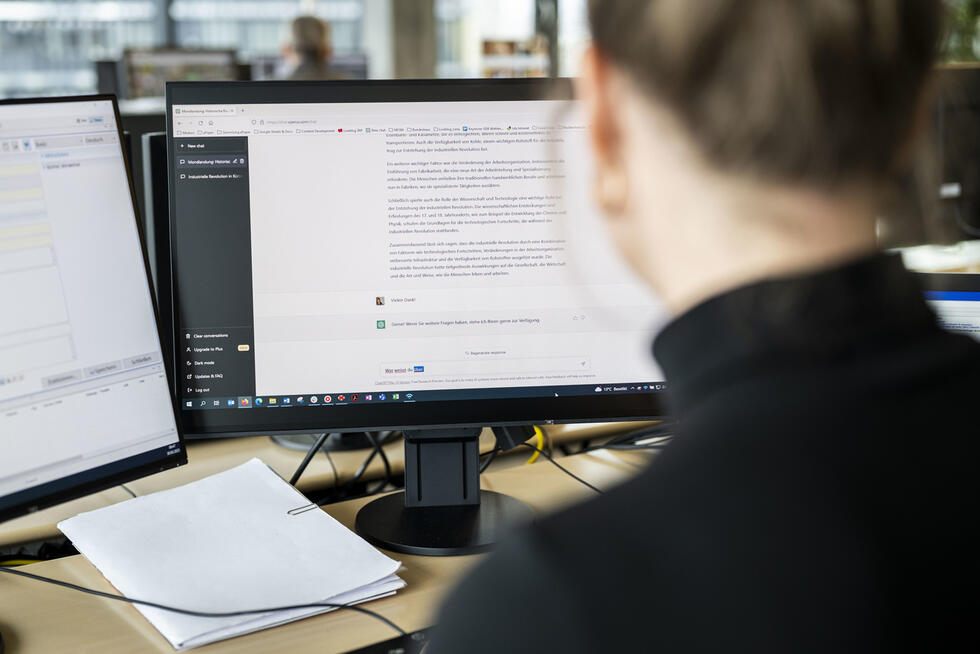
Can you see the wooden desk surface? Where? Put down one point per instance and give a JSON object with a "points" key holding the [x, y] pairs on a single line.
{"points": [[208, 457], [40, 618]]}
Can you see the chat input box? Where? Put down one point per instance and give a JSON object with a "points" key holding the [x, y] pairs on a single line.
{"points": [[480, 366]]}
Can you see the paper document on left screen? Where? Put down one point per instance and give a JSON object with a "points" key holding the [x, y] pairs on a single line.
{"points": [[229, 542]]}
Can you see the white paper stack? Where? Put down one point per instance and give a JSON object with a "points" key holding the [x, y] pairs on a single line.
{"points": [[229, 543]]}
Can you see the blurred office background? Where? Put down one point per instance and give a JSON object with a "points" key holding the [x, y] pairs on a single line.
{"points": [[131, 47], [50, 47]]}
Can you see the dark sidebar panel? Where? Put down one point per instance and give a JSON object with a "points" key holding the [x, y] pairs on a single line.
{"points": [[213, 270]]}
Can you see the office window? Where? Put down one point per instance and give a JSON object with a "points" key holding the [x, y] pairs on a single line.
{"points": [[475, 38], [48, 46], [963, 31], [573, 35], [260, 27]]}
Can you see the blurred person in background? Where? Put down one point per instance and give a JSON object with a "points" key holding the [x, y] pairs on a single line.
{"points": [[821, 493], [309, 50]]}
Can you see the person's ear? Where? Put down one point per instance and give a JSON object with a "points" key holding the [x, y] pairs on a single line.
{"points": [[596, 91]]}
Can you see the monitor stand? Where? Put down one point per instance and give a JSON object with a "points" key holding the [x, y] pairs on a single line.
{"points": [[442, 511], [334, 442]]}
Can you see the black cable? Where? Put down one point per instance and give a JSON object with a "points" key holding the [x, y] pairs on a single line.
{"points": [[203, 614], [127, 489], [663, 430], [491, 455], [336, 477], [627, 446], [630, 448], [357, 475], [309, 457], [384, 459], [375, 451], [562, 468], [362, 469]]}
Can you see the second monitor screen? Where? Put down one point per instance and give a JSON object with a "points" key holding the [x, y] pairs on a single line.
{"points": [[397, 251]]}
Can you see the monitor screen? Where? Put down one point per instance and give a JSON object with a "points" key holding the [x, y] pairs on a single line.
{"points": [[84, 400], [955, 297], [148, 71], [391, 254], [348, 66], [351, 66]]}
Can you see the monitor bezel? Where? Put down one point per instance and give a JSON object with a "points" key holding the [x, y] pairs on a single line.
{"points": [[397, 416], [166, 462], [947, 281]]}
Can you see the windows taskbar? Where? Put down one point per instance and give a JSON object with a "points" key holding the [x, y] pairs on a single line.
{"points": [[208, 402]]}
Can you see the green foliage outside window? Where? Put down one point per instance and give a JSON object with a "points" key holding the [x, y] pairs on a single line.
{"points": [[963, 32]]}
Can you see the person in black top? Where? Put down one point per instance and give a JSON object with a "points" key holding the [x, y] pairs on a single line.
{"points": [[822, 491]]}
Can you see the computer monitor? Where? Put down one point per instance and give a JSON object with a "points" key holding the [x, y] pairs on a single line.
{"points": [[267, 67], [84, 400], [955, 297], [146, 71], [352, 66], [109, 76], [956, 112], [156, 234], [938, 201], [421, 256]]}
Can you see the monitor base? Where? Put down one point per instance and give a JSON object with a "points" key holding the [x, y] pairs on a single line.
{"points": [[440, 530]]}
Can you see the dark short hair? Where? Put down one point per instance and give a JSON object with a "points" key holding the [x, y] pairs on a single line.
{"points": [[815, 92]]}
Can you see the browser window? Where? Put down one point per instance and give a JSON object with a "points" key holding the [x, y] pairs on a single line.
{"points": [[398, 248]]}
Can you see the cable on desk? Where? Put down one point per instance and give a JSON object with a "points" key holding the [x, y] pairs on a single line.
{"points": [[376, 443], [336, 477], [631, 440], [361, 470], [357, 474], [563, 469], [127, 489], [18, 560], [638, 446], [309, 457], [491, 455], [203, 614], [540, 436]]}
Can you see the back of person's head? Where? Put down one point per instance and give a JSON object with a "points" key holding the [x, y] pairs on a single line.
{"points": [[737, 140], [802, 92], [310, 38]]}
